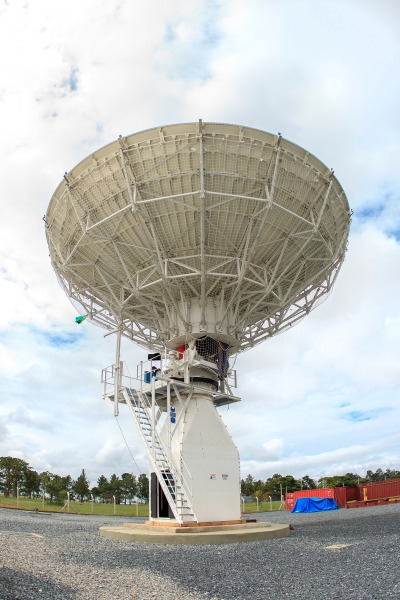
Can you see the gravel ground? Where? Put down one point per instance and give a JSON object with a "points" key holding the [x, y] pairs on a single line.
{"points": [[351, 554]]}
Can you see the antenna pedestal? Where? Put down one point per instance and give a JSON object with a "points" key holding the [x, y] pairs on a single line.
{"points": [[203, 453]]}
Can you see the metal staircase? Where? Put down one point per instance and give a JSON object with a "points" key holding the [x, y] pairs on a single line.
{"points": [[149, 401], [140, 406]]}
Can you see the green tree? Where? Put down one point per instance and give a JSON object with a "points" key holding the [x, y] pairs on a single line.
{"points": [[261, 495], [128, 486], [103, 487], [290, 484], [351, 479], [308, 483], [12, 473], [45, 479], [259, 487], [57, 489], [392, 474], [53, 486], [282, 484], [115, 487], [31, 486], [143, 490], [340, 480], [274, 484], [68, 483], [247, 486], [330, 482], [82, 486], [377, 476]]}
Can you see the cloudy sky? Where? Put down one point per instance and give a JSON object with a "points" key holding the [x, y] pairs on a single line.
{"points": [[321, 399]]}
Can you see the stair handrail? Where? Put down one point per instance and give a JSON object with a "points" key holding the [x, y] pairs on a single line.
{"points": [[188, 488], [178, 480], [127, 382]]}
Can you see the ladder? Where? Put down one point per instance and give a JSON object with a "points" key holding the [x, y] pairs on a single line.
{"points": [[170, 481]]}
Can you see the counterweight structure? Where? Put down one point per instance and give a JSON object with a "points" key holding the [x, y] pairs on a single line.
{"points": [[196, 241]]}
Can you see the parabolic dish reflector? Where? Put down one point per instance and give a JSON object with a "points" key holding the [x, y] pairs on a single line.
{"points": [[199, 228]]}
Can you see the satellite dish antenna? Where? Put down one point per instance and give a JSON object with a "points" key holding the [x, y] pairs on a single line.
{"points": [[196, 241]]}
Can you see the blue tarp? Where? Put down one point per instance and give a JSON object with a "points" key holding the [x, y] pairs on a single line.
{"points": [[306, 505]]}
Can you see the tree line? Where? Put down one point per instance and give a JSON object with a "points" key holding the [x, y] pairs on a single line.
{"points": [[279, 484], [17, 477]]}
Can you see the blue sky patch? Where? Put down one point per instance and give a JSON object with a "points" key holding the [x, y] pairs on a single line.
{"points": [[357, 416], [394, 233], [70, 83], [61, 339], [371, 212], [56, 338]]}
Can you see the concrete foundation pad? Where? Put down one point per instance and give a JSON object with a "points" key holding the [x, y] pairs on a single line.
{"points": [[215, 534]]}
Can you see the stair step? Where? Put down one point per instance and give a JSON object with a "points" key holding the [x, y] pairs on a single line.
{"points": [[141, 408]]}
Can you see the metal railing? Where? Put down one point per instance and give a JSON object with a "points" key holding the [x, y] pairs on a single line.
{"points": [[150, 420]]}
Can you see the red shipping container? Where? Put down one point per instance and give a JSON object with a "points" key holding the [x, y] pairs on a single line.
{"points": [[351, 493], [291, 497], [340, 495], [379, 490], [363, 492]]}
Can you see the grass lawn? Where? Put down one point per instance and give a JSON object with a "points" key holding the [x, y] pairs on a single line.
{"points": [[121, 510], [251, 507], [82, 508]]}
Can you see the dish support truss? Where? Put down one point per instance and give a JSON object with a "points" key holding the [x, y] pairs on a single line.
{"points": [[170, 413], [195, 228]]}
